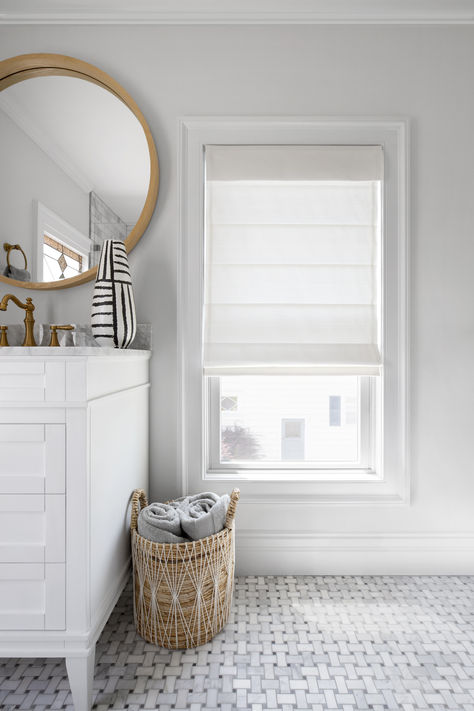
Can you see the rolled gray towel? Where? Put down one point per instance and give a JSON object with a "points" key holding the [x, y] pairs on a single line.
{"points": [[16, 273], [202, 515], [161, 523]]}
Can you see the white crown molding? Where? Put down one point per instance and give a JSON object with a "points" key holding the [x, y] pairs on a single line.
{"points": [[239, 12], [27, 124]]}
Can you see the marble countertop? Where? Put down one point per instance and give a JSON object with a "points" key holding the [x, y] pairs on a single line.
{"points": [[74, 351]]}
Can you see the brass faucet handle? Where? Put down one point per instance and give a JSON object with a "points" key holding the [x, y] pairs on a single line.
{"points": [[54, 333], [3, 336]]}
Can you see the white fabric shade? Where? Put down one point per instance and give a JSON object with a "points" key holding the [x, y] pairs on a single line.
{"points": [[292, 264], [294, 163]]}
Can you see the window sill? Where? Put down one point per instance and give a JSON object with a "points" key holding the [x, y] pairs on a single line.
{"points": [[338, 488], [293, 475]]}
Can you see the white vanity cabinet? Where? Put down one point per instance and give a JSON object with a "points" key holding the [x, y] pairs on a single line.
{"points": [[73, 446]]}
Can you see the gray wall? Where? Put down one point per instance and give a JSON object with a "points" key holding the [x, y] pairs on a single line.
{"points": [[424, 73], [27, 173]]}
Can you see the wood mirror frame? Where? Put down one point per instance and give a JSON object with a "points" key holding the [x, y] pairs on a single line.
{"points": [[28, 66]]}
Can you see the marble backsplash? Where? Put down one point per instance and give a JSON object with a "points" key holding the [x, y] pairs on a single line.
{"points": [[81, 336]]}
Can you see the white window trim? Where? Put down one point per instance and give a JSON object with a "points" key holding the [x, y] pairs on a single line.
{"points": [[391, 484], [48, 221]]}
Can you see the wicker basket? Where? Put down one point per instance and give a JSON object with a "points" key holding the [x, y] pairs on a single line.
{"points": [[182, 591]]}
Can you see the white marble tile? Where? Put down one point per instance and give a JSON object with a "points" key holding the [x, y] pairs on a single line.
{"points": [[291, 644]]}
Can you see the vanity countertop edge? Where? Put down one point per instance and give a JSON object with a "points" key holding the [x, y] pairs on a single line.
{"points": [[71, 351]]}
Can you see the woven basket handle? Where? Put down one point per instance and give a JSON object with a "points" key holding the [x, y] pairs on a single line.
{"points": [[139, 500], [234, 497]]}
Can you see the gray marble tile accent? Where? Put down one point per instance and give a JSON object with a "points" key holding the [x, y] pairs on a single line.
{"points": [[104, 224]]}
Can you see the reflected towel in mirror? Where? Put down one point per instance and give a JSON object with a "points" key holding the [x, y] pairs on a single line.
{"points": [[17, 273]]}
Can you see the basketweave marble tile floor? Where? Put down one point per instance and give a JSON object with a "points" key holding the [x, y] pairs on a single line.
{"points": [[292, 643]]}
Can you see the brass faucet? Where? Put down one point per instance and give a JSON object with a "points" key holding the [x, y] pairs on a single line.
{"points": [[29, 321]]}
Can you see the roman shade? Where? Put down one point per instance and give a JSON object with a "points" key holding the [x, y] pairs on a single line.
{"points": [[292, 259]]}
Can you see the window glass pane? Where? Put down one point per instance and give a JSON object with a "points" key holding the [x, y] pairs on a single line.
{"points": [[292, 428], [334, 410], [285, 419], [292, 440]]}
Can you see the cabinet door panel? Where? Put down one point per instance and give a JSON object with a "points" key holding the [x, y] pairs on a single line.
{"points": [[22, 528], [32, 596], [32, 528], [32, 458], [22, 596]]}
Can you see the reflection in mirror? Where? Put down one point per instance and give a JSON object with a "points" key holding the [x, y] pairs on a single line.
{"points": [[75, 171]]}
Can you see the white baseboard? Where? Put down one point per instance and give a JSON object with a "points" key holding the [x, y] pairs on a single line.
{"points": [[299, 553]]}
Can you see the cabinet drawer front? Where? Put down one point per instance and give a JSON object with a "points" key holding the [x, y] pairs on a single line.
{"points": [[21, 381], [36, 381], [32, 596], [32, 528], [32, 458]]}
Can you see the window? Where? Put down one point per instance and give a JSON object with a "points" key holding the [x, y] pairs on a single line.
{"points": [[291, 287], [299, 311], [62, 251], [60, 261], [292, 418]]}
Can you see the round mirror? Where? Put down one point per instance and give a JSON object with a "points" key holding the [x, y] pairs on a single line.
{"points": [[78, 166]]}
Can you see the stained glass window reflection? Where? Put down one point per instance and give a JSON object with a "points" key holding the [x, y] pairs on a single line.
{"points": [[61, 261]]}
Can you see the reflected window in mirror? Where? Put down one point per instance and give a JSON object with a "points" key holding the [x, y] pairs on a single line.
{"points": [[60, 261], [63, 251]]}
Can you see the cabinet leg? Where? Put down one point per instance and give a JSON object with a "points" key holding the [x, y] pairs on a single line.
{"points": [[80, 671]]}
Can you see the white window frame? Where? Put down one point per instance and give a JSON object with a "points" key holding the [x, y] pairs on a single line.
{"points": [[389, 482]]}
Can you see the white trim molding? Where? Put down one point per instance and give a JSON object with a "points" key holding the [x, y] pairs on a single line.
{"points": [[389, 483], [238, 12], [354, 553]]}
